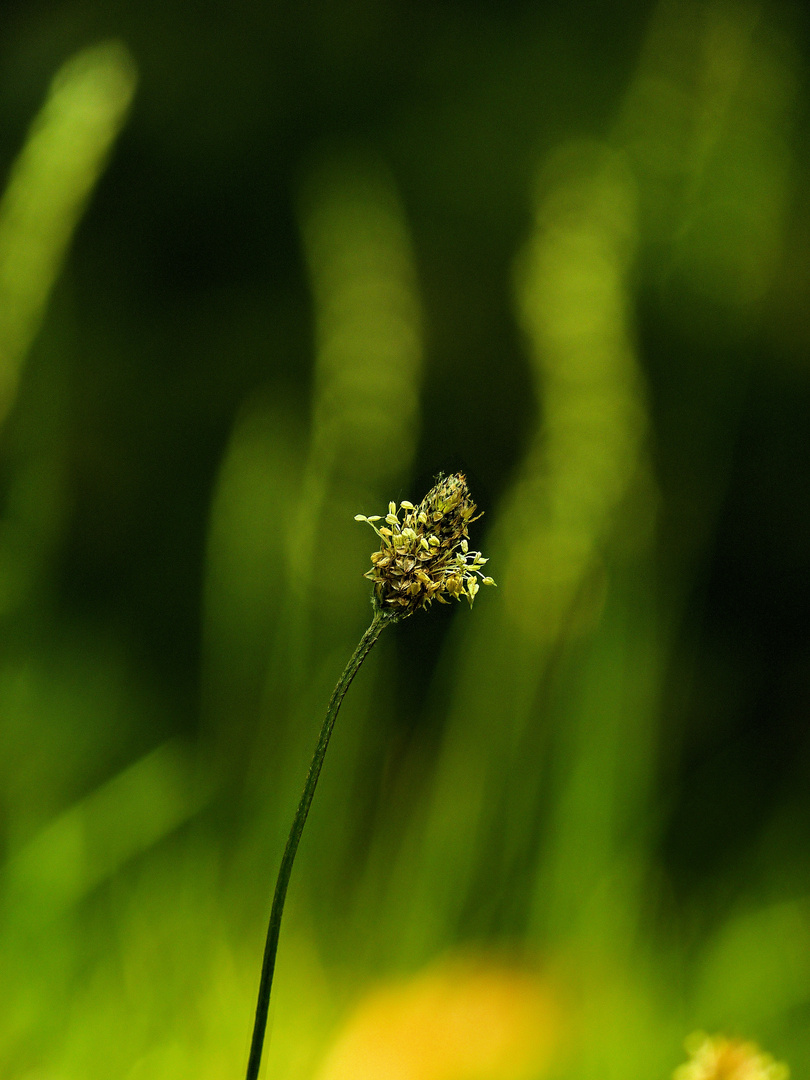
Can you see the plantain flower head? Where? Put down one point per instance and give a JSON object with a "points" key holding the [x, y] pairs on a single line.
{"points": [[424, 552], [719, 1058]]}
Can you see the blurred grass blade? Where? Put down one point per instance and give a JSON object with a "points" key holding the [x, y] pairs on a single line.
{"points": [[756, 968], [368, 364], [550, 539], [603, 704], [49, 185], [572, 288], [368, 359], [92, 840], [246, 574], [362, 442], [283, 542], [707, 123]]}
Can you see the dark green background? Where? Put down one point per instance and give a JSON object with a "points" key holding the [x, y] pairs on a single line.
{"points": [[186, 295]]}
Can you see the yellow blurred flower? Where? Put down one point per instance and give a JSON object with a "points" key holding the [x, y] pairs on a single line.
{"points": [[465, 1020], [719, 1058]]}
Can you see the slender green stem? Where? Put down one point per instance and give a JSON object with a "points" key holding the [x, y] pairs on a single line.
{"points": [[378, 623]]}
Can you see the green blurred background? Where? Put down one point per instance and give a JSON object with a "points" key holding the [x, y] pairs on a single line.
{"points": [[264, 267]]}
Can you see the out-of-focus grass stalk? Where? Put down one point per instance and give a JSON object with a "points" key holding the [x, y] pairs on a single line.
{"points": [[551, 534], [368, 361], [92, 839], [707, 122], [364, 422], [576, 311], [280, 495], [48, 188], [245, 580]]}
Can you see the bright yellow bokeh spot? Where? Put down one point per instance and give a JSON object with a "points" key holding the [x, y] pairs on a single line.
{"points": [[463, 1020]]}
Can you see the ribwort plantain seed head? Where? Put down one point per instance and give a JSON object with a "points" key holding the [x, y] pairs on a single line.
{"points": [[424, 552]]}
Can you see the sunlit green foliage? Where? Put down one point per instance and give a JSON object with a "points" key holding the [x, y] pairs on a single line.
{"points": [[553, 836]]}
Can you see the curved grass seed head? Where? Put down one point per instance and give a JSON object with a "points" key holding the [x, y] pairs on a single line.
{"points": [[424, 552]]}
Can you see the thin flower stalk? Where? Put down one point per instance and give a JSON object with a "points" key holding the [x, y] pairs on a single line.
{"points": [[422, 558]]}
